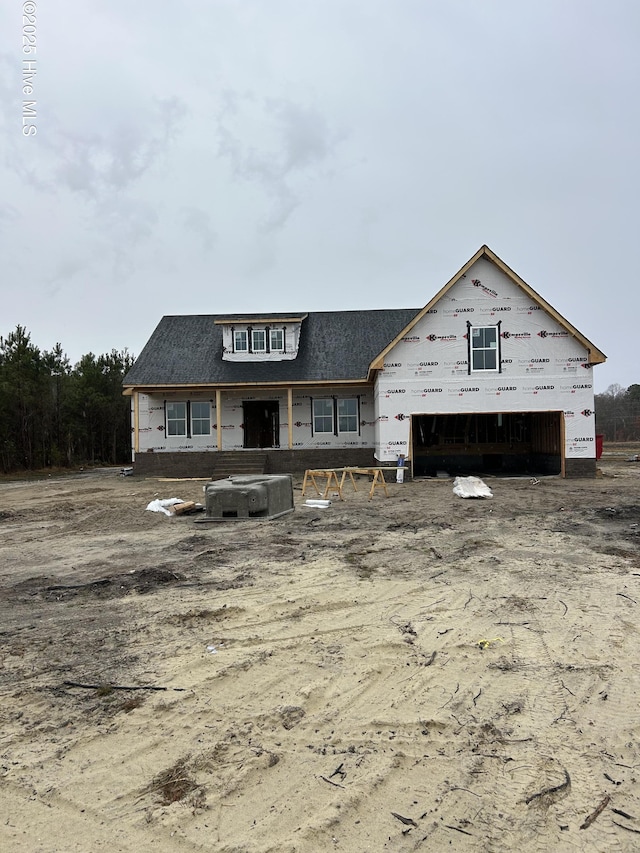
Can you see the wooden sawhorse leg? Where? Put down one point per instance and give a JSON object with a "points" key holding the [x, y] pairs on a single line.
{"points": [[378, 483]]}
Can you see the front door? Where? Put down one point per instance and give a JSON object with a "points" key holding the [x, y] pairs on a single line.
{"points": [[261, 423]]}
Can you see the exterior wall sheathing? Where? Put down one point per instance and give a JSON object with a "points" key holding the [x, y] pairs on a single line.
{"points": [[543, 367]]}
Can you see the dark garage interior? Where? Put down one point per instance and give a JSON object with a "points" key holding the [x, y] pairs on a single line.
{"points": [[501, 443]]}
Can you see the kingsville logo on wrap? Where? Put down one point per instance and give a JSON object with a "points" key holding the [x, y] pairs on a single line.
{"points": [[544, 334], [515, 336], [486, 290], [443, 338]]}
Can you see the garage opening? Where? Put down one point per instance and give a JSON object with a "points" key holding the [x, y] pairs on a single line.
{"points": [[498, 443]]}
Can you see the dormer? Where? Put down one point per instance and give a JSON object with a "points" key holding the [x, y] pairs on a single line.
{"points": [[259, 338]]}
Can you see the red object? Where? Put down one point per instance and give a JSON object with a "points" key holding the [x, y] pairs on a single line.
{"points": [[599, 440]]}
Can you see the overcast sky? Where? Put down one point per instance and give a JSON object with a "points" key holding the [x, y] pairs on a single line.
{"points": [[211, 156]]}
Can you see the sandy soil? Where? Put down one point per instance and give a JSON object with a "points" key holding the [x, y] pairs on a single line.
{"points": [[417, 672]]}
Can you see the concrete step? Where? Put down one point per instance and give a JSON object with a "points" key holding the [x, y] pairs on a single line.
{"points": [[230, 462]]}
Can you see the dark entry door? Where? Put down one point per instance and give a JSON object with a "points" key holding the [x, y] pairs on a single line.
{"points": [[261, 423]]}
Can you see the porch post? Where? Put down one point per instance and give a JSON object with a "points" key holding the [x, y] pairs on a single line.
{"points": [[219, 418], [136, 423], [290, 416]]}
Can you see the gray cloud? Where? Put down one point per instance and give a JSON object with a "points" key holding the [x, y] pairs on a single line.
{"points": [[196, 221], [294, 140], [95, 164]]}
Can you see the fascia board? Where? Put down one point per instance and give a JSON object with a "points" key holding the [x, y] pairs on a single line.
{"points": [[302, 383]]}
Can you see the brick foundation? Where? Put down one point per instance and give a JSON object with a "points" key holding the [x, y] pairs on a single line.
{"points": [[580, 468], [275, 462]]}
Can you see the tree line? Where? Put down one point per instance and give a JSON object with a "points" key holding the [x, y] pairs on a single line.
{"points": [[618, 413], [53, 414]]}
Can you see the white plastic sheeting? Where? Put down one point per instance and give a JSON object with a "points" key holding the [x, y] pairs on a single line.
{"points": [[471, 487], [163, 505]]}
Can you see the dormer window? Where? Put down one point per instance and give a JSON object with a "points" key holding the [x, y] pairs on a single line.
{"points": [[276, 338], [258, 340], [241, 341]]}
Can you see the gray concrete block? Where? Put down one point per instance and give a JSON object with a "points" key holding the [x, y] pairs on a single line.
{"points": [[250, 496]]}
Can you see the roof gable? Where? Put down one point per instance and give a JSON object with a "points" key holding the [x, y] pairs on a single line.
{"points": [[595, 355]]}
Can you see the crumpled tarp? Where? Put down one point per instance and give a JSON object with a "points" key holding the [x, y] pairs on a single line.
{"points": [[471, 487], [161, 506]]}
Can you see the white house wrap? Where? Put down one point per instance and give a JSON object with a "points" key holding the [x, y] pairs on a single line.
{"points": [[541, 366]]}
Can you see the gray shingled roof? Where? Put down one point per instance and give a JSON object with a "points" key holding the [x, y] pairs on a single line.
{"points": [[334, 345]]}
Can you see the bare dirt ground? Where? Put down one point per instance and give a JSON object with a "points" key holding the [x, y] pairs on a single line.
{"points": [[418, 672]]}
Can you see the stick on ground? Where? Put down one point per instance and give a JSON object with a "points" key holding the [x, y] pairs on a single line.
{"points": [[119, 686], [553, 790], [589, 820], [628, 828], [408, 821]]}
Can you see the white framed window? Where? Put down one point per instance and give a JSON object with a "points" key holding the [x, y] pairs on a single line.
{"points": [[323, 415], [484, 348], [258, 340], [176, 418], [348, 415], [241, 341], [200, 418], [276, 340]]}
